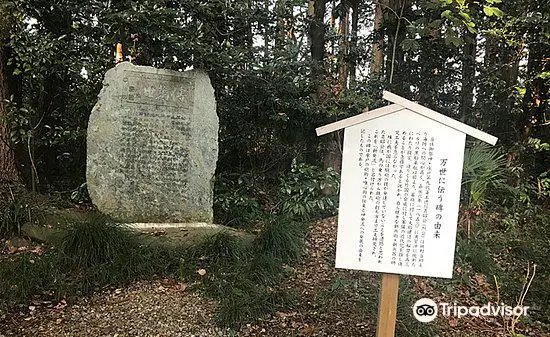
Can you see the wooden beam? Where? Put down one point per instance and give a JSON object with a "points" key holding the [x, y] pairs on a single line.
{"points": [[365, 116], [436, 116], [387, 305]]}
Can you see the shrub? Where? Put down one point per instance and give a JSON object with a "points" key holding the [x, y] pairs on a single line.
{"points": [[234, 202], [309, 191]]}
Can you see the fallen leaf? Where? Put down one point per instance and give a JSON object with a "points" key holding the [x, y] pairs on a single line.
{"points": [[181, 286], [201, 272], [62, 304], [453, 322]]}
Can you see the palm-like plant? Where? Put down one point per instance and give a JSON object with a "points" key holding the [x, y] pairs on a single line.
{"points": [[484, 170]]}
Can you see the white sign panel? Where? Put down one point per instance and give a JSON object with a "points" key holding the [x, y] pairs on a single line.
{"points": [[399, 196]]}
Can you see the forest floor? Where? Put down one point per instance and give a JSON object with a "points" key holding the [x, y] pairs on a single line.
{"points": [[324, 302]]}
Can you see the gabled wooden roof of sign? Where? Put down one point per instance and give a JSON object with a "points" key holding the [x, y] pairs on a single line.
{"points": [[401, 103]]}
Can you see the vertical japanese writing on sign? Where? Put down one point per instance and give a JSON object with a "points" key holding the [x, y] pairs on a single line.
{"points": [[401, 216]]}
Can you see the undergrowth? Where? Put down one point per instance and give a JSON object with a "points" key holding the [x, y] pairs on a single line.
{"points": [[503, 253], [13, 214], [242, 274]]}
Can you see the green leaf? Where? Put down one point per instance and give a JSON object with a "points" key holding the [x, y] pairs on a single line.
{"points": [[16, 72], [498, 12], [410, 44], [544, 75], [471, 29], [490, 11], [454, 40], [446, 14], [466, 16]]}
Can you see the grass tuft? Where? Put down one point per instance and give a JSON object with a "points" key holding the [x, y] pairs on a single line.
{"points": [[13, 215], [95, 241], [221, 249], [282, 238]]}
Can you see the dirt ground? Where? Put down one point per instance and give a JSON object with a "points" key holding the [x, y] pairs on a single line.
{"points": [[326, 302]]}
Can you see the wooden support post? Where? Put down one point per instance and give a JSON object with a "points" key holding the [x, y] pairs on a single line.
{"points": [[387, 305]]}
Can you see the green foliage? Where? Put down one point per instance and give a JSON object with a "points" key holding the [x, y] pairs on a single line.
{"points": [[95, 241], [282, 238], [475, 253], [244, 302], [13, 214], [223, 248], [505, 254], [68, 272], [309, 191], [243, 274], [537, 145], [24, 277], [530, 172], [484, 168], [235, 203]]}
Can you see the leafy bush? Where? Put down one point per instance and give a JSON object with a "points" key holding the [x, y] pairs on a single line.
{"points": [[234, 201], [308, 191], [530, 182], [475, 253]]}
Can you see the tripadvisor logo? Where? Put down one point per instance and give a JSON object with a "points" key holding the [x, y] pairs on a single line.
{"points": [[426, 310]]}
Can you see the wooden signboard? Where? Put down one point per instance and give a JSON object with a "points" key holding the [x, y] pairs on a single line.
{"points": [[399, 195]]}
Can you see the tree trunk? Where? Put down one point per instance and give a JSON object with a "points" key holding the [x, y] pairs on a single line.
{"points": [[395, 56], [343, 46], [377, 56], [317, 47], [536, 92], [9, 174], [284, 25], [468, 74], [353, 52], [266, 31], [331, 153]]}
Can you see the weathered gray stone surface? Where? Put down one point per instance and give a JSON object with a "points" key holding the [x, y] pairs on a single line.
{"points": [[153, 145]]}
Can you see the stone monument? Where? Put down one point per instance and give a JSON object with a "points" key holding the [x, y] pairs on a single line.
{"points": [[153, 145]]}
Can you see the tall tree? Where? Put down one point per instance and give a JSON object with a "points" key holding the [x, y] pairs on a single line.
{"points": [[8, 169], [377, 55], [343, 23], [353, 52], [469, 50], [316, 16]]}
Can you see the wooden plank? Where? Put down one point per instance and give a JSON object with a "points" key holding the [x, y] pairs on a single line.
{"points": [[387, 305], [365, 116], [436, 116]]}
